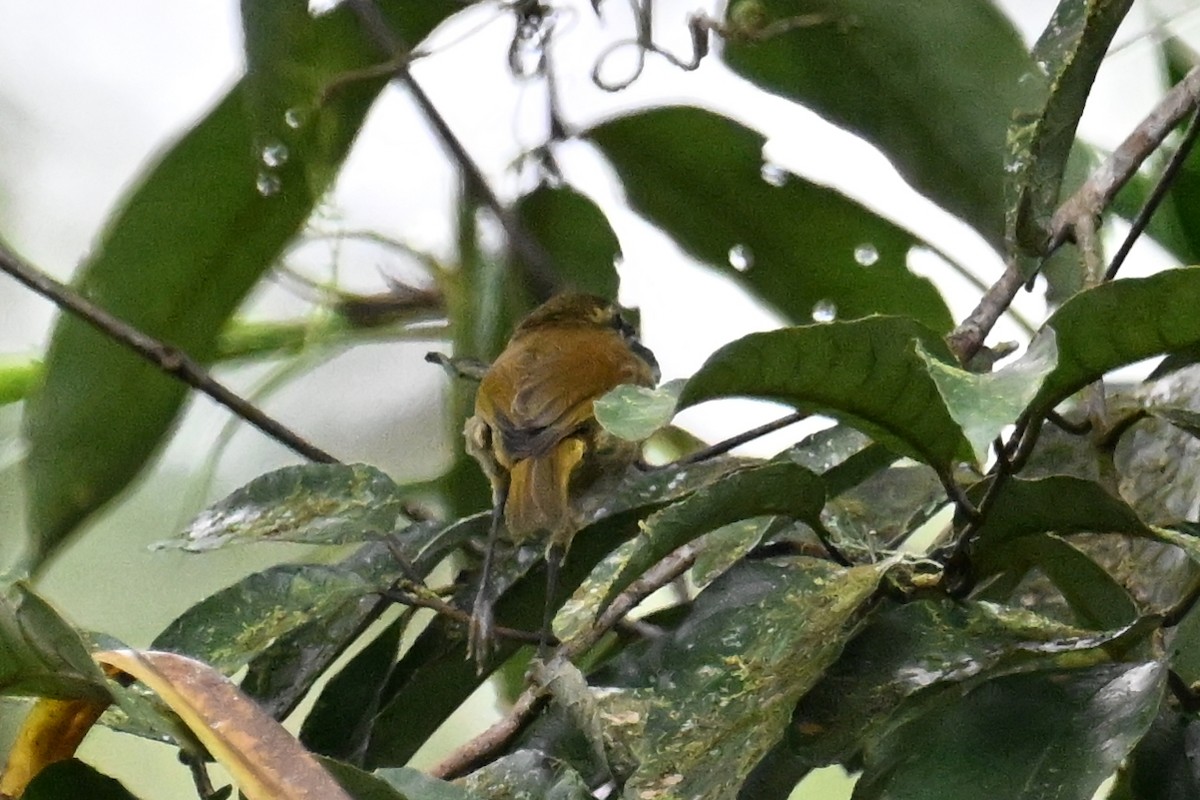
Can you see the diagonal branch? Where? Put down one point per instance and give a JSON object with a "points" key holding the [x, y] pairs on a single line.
{"points": [[169, 359], [1087, 203], [485, 745], [539, 271]]}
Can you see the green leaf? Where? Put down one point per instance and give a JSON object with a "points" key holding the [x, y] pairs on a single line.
{"points": [[911, 650], [393, 784], [884, 508], [1119, 323], [1096, 598], [230, 627], [1165, 765], [865, 373], [73, 778], [634, 413], [527, 773], [41, 654], [1040, 736], [776, 488], [576, 236], [800, 249], [311, 503], [983, 404], [340, 721], [878, 68], [726, 680], [1057, 504], [282, 673], [1066, 57], [416, 785], [207, 220]]}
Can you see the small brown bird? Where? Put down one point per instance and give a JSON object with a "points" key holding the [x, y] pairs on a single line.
{"points": [[536, 437]]}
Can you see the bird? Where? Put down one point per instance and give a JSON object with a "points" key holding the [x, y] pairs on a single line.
{"points": [[535, 435]]}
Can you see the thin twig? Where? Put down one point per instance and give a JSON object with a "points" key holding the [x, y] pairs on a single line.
{"points": [[1087, 202], [967, 338], [539, 271], [454, 613], [482, 747], [1156, 197], [168, 358], [737, 441], [1098, 191]]}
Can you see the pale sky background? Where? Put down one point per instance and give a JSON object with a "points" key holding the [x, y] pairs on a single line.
{"points": [[90, 91]]}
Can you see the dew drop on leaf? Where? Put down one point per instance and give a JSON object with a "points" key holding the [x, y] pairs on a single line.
{"points": [[866, 254], [824, 311], [740, 257]]}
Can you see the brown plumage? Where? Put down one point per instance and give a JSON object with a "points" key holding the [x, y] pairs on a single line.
{"points": [[535, 434]]}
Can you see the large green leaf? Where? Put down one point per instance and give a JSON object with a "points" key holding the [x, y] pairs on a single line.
{"points": [[576, 236], [1056, 504], [882, 68], [777, 488], [1067, 57], [280, 675], [186, 246], [983, 404], [724, 683], [309, 503], [230, 627], [1096, 598], [866, 373], [919, 647], [1040, 736], [40, 653], [1120, 323], [804, 250]]}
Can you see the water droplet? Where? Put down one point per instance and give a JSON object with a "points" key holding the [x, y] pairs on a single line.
{"points": [[824, 311], [319, 8], [774, 174], [866, 254], [274, 154], [268, 184], [293, 118], [740, 257]]}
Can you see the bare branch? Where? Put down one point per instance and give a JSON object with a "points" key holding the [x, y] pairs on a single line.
{"points": [[1098, 191], [169, 359], [1087, 202], [1156, 197]]}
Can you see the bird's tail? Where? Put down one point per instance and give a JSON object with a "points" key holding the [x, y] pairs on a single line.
{"points": [[538, 492]]}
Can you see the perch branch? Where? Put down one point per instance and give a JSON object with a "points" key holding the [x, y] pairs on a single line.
{"points": [[169, 359]]}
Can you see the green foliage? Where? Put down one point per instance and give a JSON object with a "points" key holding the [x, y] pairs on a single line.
{"points": [[1028, 645]]}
